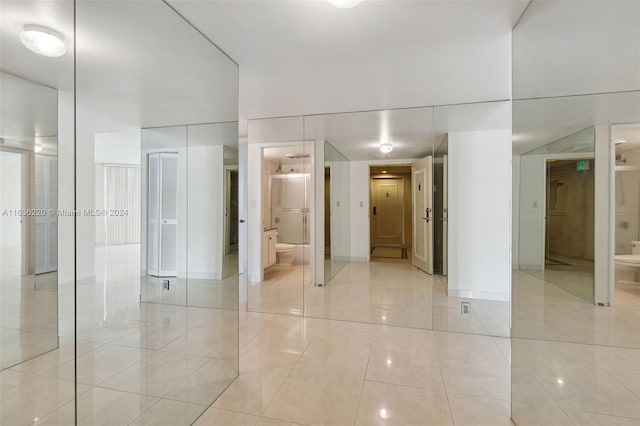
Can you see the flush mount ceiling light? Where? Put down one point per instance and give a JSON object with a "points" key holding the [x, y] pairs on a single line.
{"points": [[386, 147], [297, 156], [43, 41], [619, 141], [344, 4]]}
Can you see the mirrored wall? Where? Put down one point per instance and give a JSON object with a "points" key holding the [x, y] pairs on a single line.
{"points": [[390, 242], [28, 218], [576, 304], [132, 143]]}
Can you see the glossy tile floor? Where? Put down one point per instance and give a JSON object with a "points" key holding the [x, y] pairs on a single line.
{"points": [[136, 363], [314, 371], [163, 364], [377, 293]]}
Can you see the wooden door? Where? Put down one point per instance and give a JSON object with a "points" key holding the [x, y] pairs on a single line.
{"points": [[387, 211]]}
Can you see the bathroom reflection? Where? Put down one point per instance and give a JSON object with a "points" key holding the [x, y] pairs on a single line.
{"points": [[279, 215], [286, 189], [28, 220], [626, 139]]}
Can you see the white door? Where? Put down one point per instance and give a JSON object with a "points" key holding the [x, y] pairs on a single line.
{"points": [[421, 172], [163, 210], [46, 183], [445, 213]]}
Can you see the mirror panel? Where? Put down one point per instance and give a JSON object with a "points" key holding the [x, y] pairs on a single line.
{"points": [[575, 333], [29, 220], [159, 301], [278, 224], [473, 163], [37, 289]]}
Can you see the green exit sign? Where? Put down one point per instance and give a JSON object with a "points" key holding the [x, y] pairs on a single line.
{"points": [[582, 165]]}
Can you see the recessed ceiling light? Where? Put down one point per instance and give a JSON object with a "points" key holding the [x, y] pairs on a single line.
{"points": [[384, 413], [344, 4], [619, 141], [37, 148], [386, 147], [43, 41]]}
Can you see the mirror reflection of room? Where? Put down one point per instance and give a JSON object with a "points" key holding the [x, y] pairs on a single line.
{"points": [[28, 220], [286, 183], [391, 213]]}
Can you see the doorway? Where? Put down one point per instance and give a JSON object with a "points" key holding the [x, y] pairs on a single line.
{"points": [[569, 225], [390, 223]]}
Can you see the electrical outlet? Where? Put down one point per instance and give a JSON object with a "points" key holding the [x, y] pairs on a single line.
{"points": [[166, 284], [465, 309]]}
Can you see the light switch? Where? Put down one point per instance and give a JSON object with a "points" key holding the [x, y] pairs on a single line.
{"points": [[337, 203], [361, 203], [535, 204], [253, 203]]}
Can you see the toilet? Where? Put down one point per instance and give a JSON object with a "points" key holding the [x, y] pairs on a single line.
{"points": [[628, 264], [285, 253]]}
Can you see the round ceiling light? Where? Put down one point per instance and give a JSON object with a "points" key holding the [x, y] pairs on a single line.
{"points": [[43, 41], [386, 147], [344, 4]]}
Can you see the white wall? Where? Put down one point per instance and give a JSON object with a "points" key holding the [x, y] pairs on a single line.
{"points": [[83, 164], [254, 213], [118, 147], [515, 210], [316, 209], [479, 214], [11, 173], [531, 221], [205, 211], [66, 259], [604, 217]]}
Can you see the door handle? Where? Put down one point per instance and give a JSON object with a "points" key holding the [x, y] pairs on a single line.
{"points": [[426, 212], [374, 210]]}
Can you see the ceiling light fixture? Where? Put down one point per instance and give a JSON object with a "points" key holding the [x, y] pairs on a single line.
{"points": [[619, 141], [386, 147], [37, 148], [344, 4], [43, 41]]}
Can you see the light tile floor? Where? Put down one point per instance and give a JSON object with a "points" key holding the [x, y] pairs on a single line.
{"points": [[163, 364], [315, 371]]}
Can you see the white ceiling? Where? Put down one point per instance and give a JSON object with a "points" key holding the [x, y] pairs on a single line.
{"points": [[27, 110], [413, 131], [303, 57], [139, 64], [566, 47]]}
